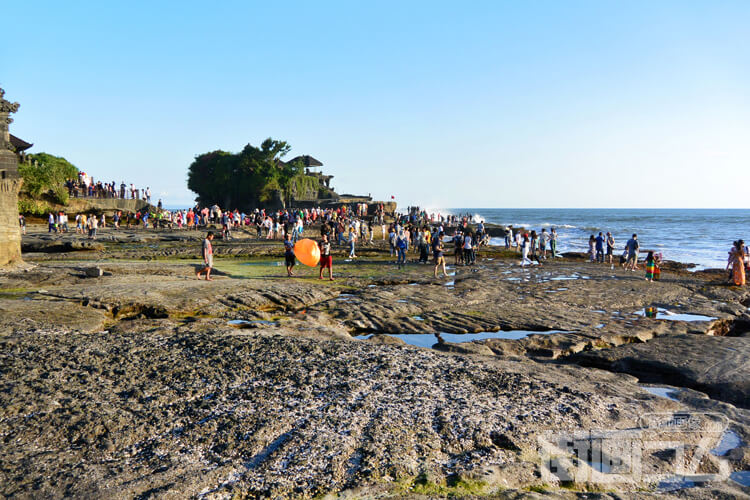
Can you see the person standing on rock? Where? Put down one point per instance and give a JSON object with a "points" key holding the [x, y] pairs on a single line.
{"points": [[600, 247], [289, 256], [650, 266], [553, 242], [93, 223], [326, 260], [737, 262], [544, 238], [22, 223], [610, 247], [208, 257], [525, 250], [468, 249]]}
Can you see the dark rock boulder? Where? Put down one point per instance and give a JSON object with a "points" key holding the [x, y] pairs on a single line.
{"points": [[717, 366]]}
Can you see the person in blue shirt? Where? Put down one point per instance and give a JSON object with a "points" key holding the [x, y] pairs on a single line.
{"points": [[289, 256], [600, 248]]}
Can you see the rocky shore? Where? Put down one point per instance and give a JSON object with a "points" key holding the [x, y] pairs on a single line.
{"points": [[125, 377]]}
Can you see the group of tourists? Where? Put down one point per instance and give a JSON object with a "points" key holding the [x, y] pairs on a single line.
{"points": [[533, 246], [57, 222], [84, 186]]}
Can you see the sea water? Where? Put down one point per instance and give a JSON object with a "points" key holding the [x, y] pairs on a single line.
{"points": [[697, 236]]}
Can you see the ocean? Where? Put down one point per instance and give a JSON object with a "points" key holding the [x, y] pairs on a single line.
{"points": [[698, 236]]}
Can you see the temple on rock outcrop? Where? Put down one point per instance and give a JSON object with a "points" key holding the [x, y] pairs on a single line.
{"points": [[10, 184], [314, 190]]}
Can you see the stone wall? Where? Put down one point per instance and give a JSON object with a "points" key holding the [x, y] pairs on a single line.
{"points": [[10, 233], [77, 205], [8, 165]]}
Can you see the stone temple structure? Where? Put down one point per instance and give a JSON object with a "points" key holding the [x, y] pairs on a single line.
{"points": [[10, 184]]}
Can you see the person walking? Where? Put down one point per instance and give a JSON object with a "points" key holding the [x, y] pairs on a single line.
{"points": [[401, 247], [208, 257], [534, 252], [352, 241], [326, 260], [633, 247], [439, 255]]}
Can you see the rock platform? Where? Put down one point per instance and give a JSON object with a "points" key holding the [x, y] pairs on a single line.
{"points": [[138, 380]]}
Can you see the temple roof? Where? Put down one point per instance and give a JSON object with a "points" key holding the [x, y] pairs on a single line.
{"points": [[307, 160], [19, 144]]}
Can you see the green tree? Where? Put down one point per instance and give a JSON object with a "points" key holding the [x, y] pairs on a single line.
{"points": [[245, 179], [48, 176]]}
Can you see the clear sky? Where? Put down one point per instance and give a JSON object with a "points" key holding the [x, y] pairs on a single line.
{"points": [[596, 103]]}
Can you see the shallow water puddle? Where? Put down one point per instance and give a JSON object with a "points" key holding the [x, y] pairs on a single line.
{"points": [[670, 316], [450, 283], [417, 318], [675, 483], [345, 297], [426, 340], [243, 322], [268, 264], [729, 441], [742, 477], [661, 391]]}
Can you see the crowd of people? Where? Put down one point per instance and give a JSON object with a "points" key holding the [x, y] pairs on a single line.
{"points": [[416, 231], [84, 186]]}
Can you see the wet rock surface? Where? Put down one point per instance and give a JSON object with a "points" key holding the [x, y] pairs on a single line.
{"points": [[718, 366], [146, 382]]}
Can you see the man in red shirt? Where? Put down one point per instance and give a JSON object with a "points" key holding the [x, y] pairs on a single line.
{"points": [[326, 261]]}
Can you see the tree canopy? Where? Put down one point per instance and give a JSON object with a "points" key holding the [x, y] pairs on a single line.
{"points": [[245, 179], [49, 174]]}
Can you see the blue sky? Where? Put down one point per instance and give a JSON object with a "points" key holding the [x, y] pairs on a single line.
{"points": [[481, 104]]}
